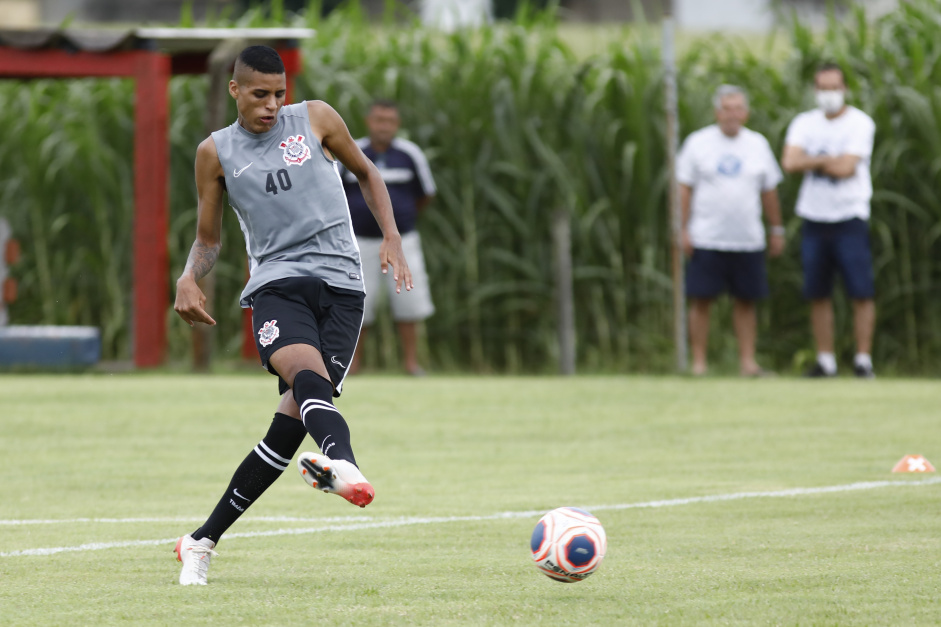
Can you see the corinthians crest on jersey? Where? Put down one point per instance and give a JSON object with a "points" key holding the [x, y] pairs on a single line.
{"points": [[296, 151]]}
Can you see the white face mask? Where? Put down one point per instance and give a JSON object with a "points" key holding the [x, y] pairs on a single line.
{"points": [[831, 101]]}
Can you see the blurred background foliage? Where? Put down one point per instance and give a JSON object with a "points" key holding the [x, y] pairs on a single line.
{"points": [[516, 124]]}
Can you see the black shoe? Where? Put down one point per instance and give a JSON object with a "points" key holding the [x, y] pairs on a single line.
{"points": [[863, 372], [817, 372]]}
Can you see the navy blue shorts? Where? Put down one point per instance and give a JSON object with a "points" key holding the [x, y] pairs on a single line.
{"points": [[831, 247], [306, 310], [710, 273]]}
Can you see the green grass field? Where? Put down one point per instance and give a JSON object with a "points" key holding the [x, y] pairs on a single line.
{"points": [[153, 453]]}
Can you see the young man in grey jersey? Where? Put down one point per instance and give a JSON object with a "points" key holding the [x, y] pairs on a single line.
{"points": [[279, 168]]}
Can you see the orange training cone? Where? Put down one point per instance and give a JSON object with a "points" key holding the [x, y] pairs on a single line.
{"points": [[913, 463]]}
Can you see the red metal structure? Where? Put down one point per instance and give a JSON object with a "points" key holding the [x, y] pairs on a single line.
{"points": [[149, 57]]}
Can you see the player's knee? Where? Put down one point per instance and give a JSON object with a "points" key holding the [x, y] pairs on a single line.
{"points": [[308, 384], [288, 406]]}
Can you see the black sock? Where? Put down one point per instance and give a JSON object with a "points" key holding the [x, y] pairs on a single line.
{"points": [[314, 396], [258, 471]]}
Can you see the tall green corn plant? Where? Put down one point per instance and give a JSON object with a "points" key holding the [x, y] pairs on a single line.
{"points": [[625, 104], [516, 128], [514, 134], [67, 195], [454, 92]]}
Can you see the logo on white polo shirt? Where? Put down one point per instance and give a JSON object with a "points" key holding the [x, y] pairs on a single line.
{"points": [[729, 165]]}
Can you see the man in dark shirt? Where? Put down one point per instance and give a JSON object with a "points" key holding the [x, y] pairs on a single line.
{"points": [[405, 171]]}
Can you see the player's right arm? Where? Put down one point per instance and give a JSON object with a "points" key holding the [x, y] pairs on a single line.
{"points": [[190, 301]]}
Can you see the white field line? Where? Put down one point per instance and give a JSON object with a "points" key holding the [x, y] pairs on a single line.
{"points": [[348, 524], [172, 519]]}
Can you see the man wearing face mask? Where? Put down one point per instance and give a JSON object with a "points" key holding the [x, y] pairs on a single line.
{"points": [[832, 147], [727, 175]]}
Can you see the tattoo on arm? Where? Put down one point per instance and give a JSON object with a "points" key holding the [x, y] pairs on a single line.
{"points": [[201, 259]]}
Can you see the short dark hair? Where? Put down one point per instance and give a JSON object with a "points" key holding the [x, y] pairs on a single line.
{"points": [[830, 66], [262, 59], [384, 103]]}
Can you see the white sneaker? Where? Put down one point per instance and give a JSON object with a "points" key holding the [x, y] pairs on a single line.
{"points": [[195, 555], [336, 476]]}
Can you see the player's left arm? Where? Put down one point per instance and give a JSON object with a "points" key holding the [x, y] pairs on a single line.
{"points": [[335, 137]]}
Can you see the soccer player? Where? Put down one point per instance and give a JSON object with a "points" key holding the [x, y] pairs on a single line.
{"points": [[727, 174], [832, 146], [278, 165]]}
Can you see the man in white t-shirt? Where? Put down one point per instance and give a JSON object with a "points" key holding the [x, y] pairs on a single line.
{"points": [[832, 147], [727, 174]]}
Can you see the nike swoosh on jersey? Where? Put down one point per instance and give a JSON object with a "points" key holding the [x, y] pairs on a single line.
{"points": [[236, 490], [237, 173]]}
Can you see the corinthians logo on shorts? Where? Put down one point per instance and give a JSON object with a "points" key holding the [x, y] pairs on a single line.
{"points": [[296, 151], [268, 333]]}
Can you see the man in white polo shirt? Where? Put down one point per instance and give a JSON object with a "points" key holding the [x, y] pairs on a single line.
{"points": [[727, 174], [832, 147]]}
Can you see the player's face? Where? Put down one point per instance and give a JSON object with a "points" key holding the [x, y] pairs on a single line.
{"points": [[258, 98], [732, 114], [383, 123]]}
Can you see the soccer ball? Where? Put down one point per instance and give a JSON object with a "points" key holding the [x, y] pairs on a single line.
{"points": [[568, 544]]}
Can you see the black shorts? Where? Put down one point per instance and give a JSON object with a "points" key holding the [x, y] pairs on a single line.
{"points": [[710, 273], [306, 310], [831, 247]]}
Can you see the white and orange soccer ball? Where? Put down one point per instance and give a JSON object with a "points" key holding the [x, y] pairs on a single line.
{"points": [[568, 544]]}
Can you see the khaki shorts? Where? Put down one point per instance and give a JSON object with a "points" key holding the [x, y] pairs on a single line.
{"points": [[411, 306]]}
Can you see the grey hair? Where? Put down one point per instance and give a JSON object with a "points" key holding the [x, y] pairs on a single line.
{"points": [[724, 91]]}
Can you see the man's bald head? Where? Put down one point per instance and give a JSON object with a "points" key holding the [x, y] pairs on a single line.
{"points": [[257, 59]]}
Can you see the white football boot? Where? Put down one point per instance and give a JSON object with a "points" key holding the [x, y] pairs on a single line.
{"points": [[336, 476], [195, 555]]}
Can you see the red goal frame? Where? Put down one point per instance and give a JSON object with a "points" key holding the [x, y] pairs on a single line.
{"points": [[151, 71]]}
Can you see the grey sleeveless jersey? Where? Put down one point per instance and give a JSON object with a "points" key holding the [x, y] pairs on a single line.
{"points": [[290, 203]]}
